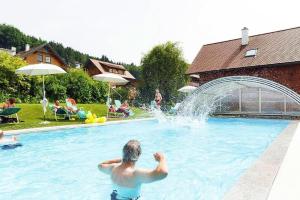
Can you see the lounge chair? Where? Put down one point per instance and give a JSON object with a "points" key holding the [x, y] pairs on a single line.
{"points": [[65, 114], [118, 105], [114, 114], [5, 114], [59, 112]]}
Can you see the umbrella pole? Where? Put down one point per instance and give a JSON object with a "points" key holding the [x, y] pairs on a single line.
{"points": [[44, 97], [108, 100]]}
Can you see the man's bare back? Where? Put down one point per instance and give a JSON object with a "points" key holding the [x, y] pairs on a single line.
{"points": [[125, 176]]}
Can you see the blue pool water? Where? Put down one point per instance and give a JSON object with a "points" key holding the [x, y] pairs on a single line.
{"points": [[204, 162]]}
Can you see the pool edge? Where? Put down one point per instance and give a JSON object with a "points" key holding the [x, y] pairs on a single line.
{"points": [[52, 128], [257, 181]]}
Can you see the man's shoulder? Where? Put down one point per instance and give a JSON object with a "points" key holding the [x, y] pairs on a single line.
{"points": [[141, 171]]}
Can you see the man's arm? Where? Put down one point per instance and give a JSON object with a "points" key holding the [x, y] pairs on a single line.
{"points": [[107, 166], [160, 172]]}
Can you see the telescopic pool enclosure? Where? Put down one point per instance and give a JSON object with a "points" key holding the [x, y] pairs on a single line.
{"points": [[250, 95]]}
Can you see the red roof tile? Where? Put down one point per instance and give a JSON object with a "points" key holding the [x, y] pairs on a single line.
{"points": [[272, 48]]}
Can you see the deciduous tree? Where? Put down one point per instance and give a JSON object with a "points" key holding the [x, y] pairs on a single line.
{"points": [[163, 67]]}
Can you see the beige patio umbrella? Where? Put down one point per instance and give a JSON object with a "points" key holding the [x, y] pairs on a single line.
{"points": [[187, 89], [112, 80], [41, 69]]}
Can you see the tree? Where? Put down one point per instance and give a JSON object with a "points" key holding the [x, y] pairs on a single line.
{"points": [[136, 71], [11, 84], [164, 68], [13, 37]]}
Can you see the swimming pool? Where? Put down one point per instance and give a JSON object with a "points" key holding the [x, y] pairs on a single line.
{"points": [[204, 162]]}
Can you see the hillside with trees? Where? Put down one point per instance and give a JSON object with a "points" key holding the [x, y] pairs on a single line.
{"points": [[13, 37]]}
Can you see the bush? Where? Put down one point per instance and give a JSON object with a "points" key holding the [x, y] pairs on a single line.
{"points": [[56, 87], [12, 84], [76, 84], [120, 93]]}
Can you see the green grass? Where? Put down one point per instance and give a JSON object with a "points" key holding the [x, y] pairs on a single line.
{"points": [[31, 115]]}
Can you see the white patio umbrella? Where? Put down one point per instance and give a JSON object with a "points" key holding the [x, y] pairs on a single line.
{"points": [[111, 79], [187, 89], [41, 69]]}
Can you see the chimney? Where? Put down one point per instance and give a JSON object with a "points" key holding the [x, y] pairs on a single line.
{"points": [[245, 36], [13, 51], [27, 47]]}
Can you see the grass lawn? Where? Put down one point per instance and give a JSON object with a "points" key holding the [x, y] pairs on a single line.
{"points": [[31, 115]]}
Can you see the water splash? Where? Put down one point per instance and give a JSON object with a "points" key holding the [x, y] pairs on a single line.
{"points": [[203, 102], [196, 108], [159, 115]]}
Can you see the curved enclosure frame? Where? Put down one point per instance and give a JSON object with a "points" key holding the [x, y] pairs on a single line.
{"points": [[243, 95]]}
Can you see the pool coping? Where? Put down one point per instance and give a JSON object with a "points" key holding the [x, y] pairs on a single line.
{"points": [[52, 128], [257, 181], [286, 184]]}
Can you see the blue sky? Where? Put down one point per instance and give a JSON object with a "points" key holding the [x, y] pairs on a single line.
{"points": [[126, 30]]}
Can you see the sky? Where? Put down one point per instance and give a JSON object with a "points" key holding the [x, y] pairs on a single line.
{"points": [[125, 30]]}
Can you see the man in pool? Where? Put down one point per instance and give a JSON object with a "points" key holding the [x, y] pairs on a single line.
{"points": [[6, 140], [126, 178]]}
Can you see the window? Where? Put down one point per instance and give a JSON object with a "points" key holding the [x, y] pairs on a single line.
{"points": [[48, 59], [40, 58], [251, 53]]}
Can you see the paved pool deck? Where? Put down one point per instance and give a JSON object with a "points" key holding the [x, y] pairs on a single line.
{"points": [[287, 183], [275, 174]]}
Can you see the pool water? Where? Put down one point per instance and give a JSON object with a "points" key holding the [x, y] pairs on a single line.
{"points": [[204, 162]]}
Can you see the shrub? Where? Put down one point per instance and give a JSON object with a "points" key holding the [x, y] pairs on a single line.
{"points": [[76, 84], [12, 84], [120, 93]]}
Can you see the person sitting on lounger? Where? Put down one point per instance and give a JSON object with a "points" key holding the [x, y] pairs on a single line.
{"points": [[57, 105], [126, 178], [124, 108], [3, 140], [71, 105], [10, 103], [112, 108]]}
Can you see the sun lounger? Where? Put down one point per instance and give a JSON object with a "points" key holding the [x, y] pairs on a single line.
{"points": [[118, 105], [66, 114], [8, 112], [114, 114], [59, 112]]}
